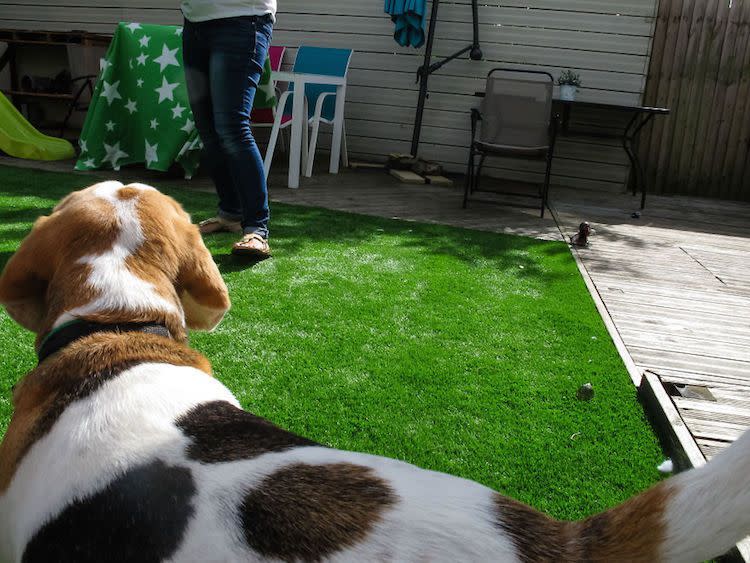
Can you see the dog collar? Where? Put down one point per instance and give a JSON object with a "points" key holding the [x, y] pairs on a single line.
{"points": [[73, 330]]}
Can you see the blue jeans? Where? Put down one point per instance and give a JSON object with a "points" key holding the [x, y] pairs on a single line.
{"points": [[223, 64]]}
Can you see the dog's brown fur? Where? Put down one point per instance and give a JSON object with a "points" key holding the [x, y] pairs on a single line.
{"points": [[347, 501], [44, 278], [633, 531], [45, 392]]}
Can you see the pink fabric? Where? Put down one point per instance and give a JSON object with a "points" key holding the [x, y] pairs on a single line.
{"points": [[276, 54]]}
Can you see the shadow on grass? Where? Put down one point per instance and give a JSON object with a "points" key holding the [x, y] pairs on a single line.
{"points": [[228, 262], [295, 229]]}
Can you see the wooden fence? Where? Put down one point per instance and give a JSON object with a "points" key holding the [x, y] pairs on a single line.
{"points": [[700, 69]]}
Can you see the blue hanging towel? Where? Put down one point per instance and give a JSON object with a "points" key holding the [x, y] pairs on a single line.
{"points": [[408, 16]]}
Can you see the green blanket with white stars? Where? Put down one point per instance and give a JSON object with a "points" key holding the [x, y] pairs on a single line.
{"points": [[139, 112]]}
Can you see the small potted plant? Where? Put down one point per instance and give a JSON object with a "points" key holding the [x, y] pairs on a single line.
{"points": [[569, 82]]}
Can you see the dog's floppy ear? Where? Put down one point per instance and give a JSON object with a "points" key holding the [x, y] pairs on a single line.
{"points": [[23, 283], [202, 290]]}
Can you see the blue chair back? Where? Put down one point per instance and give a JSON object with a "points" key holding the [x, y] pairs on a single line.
{"points": [[322, 60]]}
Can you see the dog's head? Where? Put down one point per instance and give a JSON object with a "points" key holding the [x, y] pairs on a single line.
{"points": [[113, 253]]}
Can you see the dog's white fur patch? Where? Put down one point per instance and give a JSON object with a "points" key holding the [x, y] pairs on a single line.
{"points": [[127, 422], [710, 509], [117, 286]]}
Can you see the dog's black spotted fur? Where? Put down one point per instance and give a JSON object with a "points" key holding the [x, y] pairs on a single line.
{"points": [[142, 516], [221, 432]]}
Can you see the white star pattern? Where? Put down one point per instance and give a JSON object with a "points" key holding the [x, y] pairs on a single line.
{"points": [[177, 110], [82, 144], [110, 91], [154, 123], [166, 90], [188, 127], [151, 155], [167, 58], [142, 59], [110, 126], [130, 63], [143, 41], [139, 82], [89, 163], [113, 154], [178, 31], [131, 107], [104, 64], [133, 26]]}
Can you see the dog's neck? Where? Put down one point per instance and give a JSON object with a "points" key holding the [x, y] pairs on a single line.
{"points": [[65, 334]]}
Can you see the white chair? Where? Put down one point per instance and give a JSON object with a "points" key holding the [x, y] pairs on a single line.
{"points": [[321, 61]]}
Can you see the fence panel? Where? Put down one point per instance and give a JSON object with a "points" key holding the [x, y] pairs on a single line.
{"points": [[700, 69]]}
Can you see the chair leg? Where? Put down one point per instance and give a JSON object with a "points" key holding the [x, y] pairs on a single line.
{"points": [[305, 138], [284, 142], [344, 150], [271, 146], [469, 177], [478, 174], [313, 145], [545, 187]]}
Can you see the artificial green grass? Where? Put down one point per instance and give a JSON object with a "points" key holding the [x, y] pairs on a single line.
{"points": [[460, 351]]}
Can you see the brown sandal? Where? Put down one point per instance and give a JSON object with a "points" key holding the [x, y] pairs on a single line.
{"points": [[219, 225], [252, 244]]}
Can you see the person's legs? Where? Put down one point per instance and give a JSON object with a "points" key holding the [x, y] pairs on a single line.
{"points": [[197, 39], [238, 52]]}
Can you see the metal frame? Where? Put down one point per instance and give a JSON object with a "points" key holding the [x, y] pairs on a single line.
{"points": [[87, 82], [424, 71], [473, 172]]}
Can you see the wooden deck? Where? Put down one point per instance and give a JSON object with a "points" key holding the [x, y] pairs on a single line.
{"points": [[673, 285]]}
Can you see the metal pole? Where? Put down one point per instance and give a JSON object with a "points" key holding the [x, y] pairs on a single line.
{"points": [[423, 72], [422, 75]]}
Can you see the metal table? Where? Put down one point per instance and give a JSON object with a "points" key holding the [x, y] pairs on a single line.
{"points": [[641, 115]]}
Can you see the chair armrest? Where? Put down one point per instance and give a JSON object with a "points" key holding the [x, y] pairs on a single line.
{"points": [[281, 103], [319, 104]]}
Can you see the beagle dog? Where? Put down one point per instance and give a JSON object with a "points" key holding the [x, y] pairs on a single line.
{"points": [[123, 447]]}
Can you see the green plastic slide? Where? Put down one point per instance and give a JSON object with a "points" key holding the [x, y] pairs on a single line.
{"points": [[19, 138]]}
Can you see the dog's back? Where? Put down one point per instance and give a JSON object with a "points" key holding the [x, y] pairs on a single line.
{"points": [[122, 446]]}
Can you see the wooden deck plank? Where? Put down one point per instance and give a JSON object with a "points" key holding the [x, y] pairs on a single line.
{"points": [[712, 381], [697, 345], [654, 358]]}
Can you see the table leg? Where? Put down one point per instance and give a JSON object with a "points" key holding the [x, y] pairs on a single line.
{"points": [[338, 125], [629, 143], [298, 106]]}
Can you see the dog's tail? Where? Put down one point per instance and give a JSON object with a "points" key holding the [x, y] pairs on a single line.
{"points": [[695, 515]]}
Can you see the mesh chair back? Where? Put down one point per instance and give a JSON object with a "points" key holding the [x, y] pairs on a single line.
{"points": [[322, 60], [516, 109]]}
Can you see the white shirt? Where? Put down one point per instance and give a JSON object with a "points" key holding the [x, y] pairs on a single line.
{"points": [[204, 10]]}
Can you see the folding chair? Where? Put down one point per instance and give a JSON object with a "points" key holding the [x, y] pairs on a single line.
{"points": [[516, 121]]}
